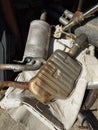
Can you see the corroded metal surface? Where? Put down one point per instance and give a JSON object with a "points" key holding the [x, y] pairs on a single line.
{"points": [[20, 85]]}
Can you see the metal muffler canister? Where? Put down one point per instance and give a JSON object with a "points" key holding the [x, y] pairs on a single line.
{"points": [[38, 40], [56, 79]]}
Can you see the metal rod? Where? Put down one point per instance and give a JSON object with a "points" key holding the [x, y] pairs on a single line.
{"points": [[80, 5], [92, 85], [81, 17], [43, 16], [21, 85], [91, 11], [71, 24], [17, 67]]}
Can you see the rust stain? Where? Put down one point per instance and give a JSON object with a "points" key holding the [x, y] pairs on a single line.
{"points": [[20, 85], [83, 127]]}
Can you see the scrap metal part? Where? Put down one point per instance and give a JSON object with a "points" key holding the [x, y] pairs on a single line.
{"points": [[18, 67], [38, 40], [57, 77], [80, 17], [69, 16], [69, 19]]}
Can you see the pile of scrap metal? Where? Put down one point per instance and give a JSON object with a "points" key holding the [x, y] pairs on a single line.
{"points": [[59, 79]]}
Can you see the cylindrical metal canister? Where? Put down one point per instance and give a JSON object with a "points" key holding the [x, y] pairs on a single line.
{"points": [[38, 40]]}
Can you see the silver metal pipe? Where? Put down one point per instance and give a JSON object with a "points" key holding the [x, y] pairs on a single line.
{"points": [[43, 16], [81, 17], [17, 67], [91, 11], [71, 24], [92, 85]]}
